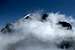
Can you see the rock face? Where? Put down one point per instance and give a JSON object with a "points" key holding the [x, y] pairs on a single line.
{"points": [[65, 24], [44, 16], [7, 28]]}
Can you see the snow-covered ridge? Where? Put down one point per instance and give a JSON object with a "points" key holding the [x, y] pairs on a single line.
{"points": [[35, 31]]}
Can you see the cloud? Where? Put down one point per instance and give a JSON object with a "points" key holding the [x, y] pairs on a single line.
{"points": [[37, 31]]}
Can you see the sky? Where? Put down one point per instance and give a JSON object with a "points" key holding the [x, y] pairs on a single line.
{"points": [[11, 10]]}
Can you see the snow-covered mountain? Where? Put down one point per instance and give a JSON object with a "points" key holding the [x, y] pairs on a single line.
{"points": [[39, 31]]}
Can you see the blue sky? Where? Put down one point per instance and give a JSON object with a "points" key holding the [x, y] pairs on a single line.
{"points": [[11, 10]]}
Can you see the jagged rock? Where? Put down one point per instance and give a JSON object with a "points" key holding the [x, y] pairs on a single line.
{"points": [[7, 28], [65, 24], [44, 16]]}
